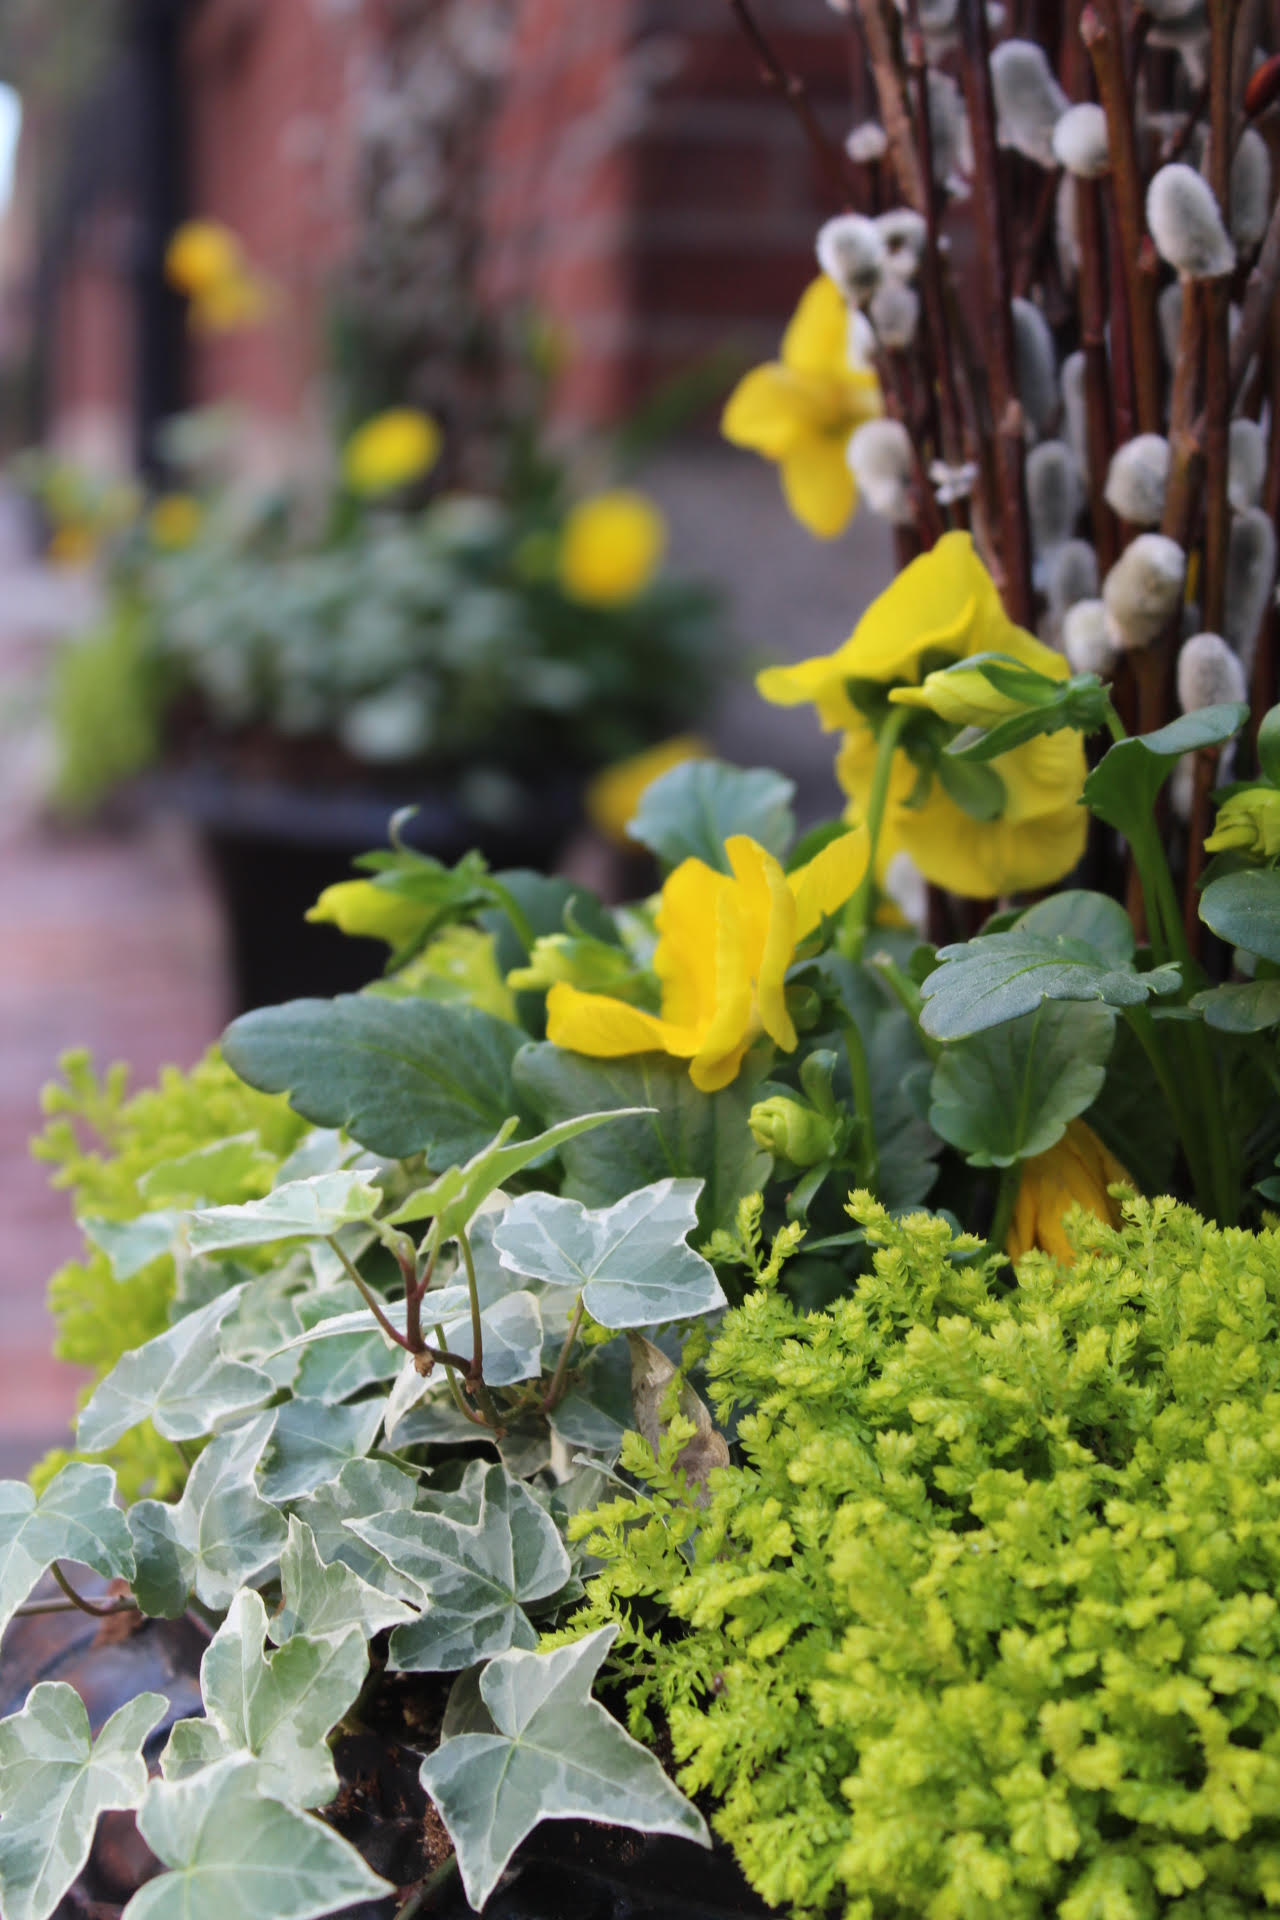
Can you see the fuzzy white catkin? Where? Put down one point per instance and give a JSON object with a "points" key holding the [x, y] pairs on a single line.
{"points": [[1186, 224], [1209, 673], [1169, 316], [1138, 479], [1251, 572], [1249, 193], [904, 233], [894, 313], [1246, 464], [867, 141], [1066, 229], [851, 251], [1029, 101], [949, 136], [1143, 590], [1054, 494], [1073, 409], [1188, 37], [879, 456], [935, 16], [1086, 640], [1072, 576], [1035, 365], [1080, 141]]}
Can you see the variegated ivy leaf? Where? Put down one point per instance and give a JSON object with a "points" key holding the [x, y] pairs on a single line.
{"points": [[325, 1602], [460, 1191], [179, 1381], [313, 1442], [303, 1209], [233, 1852], [332, 1370], [209, 1176], [478, 1565], [363, 1488], [596, 1412], [55, 1779], [275, 1708], [551, 1752], [131, 1245], [75, 1518], [631, 1260], [218, 1535]]}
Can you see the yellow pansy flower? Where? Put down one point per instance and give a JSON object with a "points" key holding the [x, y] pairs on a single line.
{"points": [[801, 410], [1074, 1173], [725, 942], [615, 793], [202, 254], [610, 548], [390, 451], [174, 521], [944, 605], [231, 305], [1248, 822]]}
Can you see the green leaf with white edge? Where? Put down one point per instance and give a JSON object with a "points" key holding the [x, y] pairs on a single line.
{"points": [[131, 1245], [1244, 908], [219, 1535], [1009, 1092], [276, 1708], [179, 1381], [303, 1210], [312, 1442], [363, 1488], [690, 811], [233, 1852], [459, 1192], [701, 1136], [209, 1176], [631, 1261], [402, 1076], [512, 1340], [55, 1779], [1249, 1006], [75, 1518], [1123, 787], [553, 1754], [325, 1602], [476, 1578], [332, 1370], [999, 977]]}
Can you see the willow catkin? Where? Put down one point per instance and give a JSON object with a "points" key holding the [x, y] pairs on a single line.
{"points": [[1186, 224], [1138, 479]]}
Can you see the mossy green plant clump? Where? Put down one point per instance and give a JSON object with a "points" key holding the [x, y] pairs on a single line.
{"points": [[985, 1620]]}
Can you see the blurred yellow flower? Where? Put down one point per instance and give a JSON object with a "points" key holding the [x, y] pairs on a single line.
{"points": [[610, 548], [615, 793], [801, 410], [725, 942], [1248, 822], [390, 451], [202, 254], [359, 908], [174, 521], [1074, 1173], [230, 306], [72, 546], [944, 606]]}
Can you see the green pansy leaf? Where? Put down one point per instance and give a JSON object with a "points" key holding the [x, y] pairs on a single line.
{"points": [[1269, 746], [217, 1536], [362, 1489], [312, 1442], [460, 1191], [234, 1852], [999, 977], [476, 1576], [75, 1518], [402, 1076], [303, 1210], [701, 1136], [1079, 914], [553, 1753], [55, 1780], [1244, 908], [1123, 787], [209, 1176], [690, 811], [275, 1708], [1009, 1092], [131, 1245], [324, 1602], [1247, 1007], [179, 1381], [631, 1260]]}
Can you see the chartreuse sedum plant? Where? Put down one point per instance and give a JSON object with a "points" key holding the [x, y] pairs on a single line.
{"points": [[983, 1618]]}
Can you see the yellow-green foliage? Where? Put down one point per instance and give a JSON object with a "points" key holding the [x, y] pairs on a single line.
{"points": [[985, 1623], [103, 1143], [106, 706]]}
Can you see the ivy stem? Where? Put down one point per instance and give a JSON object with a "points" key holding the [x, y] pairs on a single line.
{"points": [[368, 1296], [858, 912], [99, 1609], [468, 1413], [555, 1391], [425, 1894], [860, 1075], [477, 1326]]}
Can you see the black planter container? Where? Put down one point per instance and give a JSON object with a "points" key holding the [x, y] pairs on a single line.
{"points": [[273, 849]]}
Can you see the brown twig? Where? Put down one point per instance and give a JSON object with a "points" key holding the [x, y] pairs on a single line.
{"points": [[1260, 293], [891, 96], [992, 232], [1097, 386], [791, 88], [1036, 233], [1182, 138], [1217, 306]]}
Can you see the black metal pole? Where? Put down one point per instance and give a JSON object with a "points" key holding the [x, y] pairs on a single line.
{"points": [[160, 376]]}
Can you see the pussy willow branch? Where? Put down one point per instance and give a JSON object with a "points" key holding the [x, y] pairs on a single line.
{"points": [[791, 88], [1217, 305], [891, 97], [1097, 384], [1264, 688], [1259, 297]]}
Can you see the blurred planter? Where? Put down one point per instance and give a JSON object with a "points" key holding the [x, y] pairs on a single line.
{"points": [[274, 845]]}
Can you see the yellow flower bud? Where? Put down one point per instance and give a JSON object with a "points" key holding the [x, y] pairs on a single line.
{"points": [[1074, 1173], [592, 965], [791, 1131], [1248, 822], [611, 548], [359, 908], [390, 451], [174, 521]]}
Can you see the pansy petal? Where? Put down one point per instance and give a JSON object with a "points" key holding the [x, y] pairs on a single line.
{"points": [[727, 1035], [768, 411], [819, 487], [817, 337], [1041, 775], [819, 682], [770, 912], [607, 1029], [685, 957], [829, 878], [943, 602]]}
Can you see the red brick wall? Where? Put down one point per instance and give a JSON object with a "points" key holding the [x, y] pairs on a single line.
{"points": [[92, 351]]}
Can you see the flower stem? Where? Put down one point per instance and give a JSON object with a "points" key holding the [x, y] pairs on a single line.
{"points": [[555, 1391], [867, 1159], [858, 912], [100, 1610], [1006, 1201]]}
